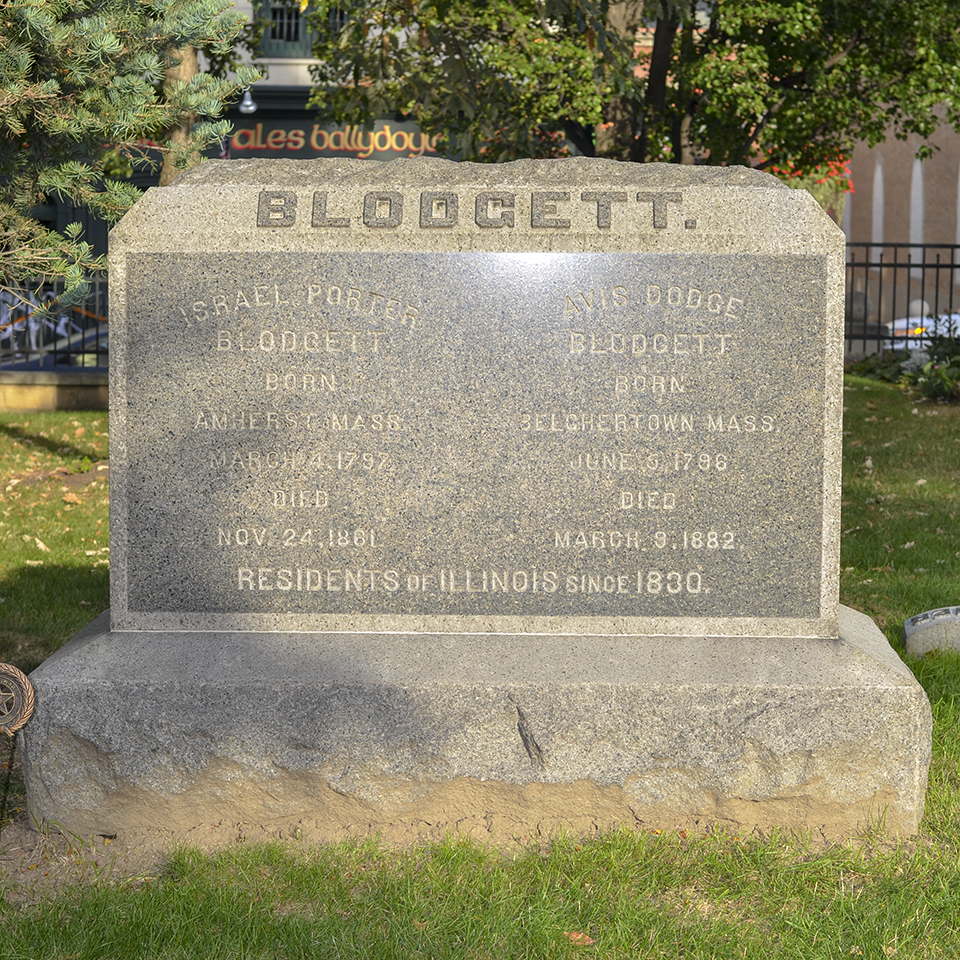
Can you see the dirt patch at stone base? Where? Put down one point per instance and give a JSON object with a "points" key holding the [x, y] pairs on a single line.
{"points": [[68, 478]]}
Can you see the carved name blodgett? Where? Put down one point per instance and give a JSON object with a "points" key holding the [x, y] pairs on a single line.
{"points": [[496, 209]]}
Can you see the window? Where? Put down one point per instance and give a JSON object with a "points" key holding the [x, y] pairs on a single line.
{"points": [[287, 36], [285, 24]]}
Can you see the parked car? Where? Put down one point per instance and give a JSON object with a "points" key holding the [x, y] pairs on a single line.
{"points": [[911, 333]]}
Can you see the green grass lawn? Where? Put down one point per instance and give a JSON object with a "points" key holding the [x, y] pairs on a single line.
{"points": [[639, 895], [54, 530], [901, 504]]}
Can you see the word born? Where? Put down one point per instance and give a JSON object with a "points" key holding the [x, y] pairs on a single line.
{"points": [[492, 209], [305, 383]]}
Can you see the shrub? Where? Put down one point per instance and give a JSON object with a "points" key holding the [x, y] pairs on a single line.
{"points": [[939, 378]]}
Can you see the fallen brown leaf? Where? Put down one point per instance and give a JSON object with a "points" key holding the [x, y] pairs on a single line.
{"points": [[581, 939]]}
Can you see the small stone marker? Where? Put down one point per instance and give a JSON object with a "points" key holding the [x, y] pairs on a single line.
{"points": [[932, 630], [434, 482]]}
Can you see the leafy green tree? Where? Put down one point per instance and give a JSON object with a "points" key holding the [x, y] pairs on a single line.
{"points": [[82, 92], [794, 82], [500, 79], [772, 83]]}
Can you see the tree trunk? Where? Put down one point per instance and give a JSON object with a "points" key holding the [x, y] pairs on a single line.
{"points": [[659, 69], [616, 137], [682, 113], [617, 134], [182, 64]]}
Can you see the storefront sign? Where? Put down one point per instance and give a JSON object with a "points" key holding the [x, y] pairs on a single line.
{"points": [[388, 140]]}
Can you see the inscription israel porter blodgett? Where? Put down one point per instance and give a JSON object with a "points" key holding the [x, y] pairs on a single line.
{"points": [[504, 441]]}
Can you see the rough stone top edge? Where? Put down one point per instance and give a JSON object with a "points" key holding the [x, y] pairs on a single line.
{"points": [[435, 171]]}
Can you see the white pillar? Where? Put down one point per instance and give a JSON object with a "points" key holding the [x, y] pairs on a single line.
{"points": [[876, 226]]}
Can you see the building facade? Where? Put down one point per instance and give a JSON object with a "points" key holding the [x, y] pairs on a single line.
{"points": [[901, 199]]}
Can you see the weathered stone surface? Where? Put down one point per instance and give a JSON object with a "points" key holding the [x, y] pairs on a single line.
{"points": [[560, 397], [932, 630], [492, 498], [135, 732]]}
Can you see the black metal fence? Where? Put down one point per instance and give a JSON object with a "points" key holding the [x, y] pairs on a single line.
{"points": [[897, 296], [31, 339]]}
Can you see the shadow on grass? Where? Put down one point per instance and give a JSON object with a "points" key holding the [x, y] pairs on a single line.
{"points": [[60, 448], [8, 797], [43, 607]]}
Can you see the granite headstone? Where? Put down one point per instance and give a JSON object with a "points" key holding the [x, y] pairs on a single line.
{"points": [[499, 475], [474, 410]]}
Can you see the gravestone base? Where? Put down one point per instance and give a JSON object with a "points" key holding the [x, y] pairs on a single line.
{"points": [[283, 734]]}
